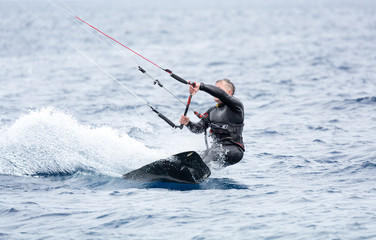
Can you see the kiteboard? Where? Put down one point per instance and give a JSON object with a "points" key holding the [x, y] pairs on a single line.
{"points": [[185, 167]]}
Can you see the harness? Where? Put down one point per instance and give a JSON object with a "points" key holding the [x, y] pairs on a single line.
{"points": [[227, 132]]}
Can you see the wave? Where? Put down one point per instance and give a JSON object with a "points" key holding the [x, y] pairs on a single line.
{"points": [[351, 103], [365, 100], [48, 142], [368, 165]]}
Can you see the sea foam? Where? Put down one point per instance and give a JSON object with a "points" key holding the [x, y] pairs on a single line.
{"points": [[48, 142]]}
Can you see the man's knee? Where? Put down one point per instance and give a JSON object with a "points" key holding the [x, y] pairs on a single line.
{"points": [[233, 155]]}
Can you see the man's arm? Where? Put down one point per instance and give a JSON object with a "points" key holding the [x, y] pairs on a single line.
{"points": [[198, 127], [194, 127], [232, 102]]}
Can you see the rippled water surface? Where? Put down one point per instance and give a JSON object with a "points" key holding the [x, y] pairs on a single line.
{"points": [[306, 73]]}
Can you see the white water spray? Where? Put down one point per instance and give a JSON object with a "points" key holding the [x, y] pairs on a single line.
{"points": [[52, 142]]}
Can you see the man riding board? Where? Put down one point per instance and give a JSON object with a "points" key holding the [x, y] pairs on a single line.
{"points": [[225, 120]]}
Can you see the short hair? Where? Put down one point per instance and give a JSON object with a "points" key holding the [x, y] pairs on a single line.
{"points": [[228, 83]]}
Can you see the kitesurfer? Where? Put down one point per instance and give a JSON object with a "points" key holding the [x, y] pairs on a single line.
{"points": [[225, 120]]}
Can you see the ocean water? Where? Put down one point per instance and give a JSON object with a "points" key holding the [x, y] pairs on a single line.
{"points": [[305, 71]]}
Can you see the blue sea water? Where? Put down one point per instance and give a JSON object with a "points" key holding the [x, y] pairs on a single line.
{"points": [[305, 71]]}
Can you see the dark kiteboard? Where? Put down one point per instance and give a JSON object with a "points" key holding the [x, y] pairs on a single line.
{"points": [[185, 167]]}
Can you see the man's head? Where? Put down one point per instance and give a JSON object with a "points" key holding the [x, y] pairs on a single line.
{"points": [[227, 86]]}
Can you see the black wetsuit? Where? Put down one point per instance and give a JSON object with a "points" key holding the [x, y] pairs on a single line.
{"points": [[226, 121]]}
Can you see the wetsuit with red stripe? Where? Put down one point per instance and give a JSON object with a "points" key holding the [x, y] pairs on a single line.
{"points": [[226, 121]]}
